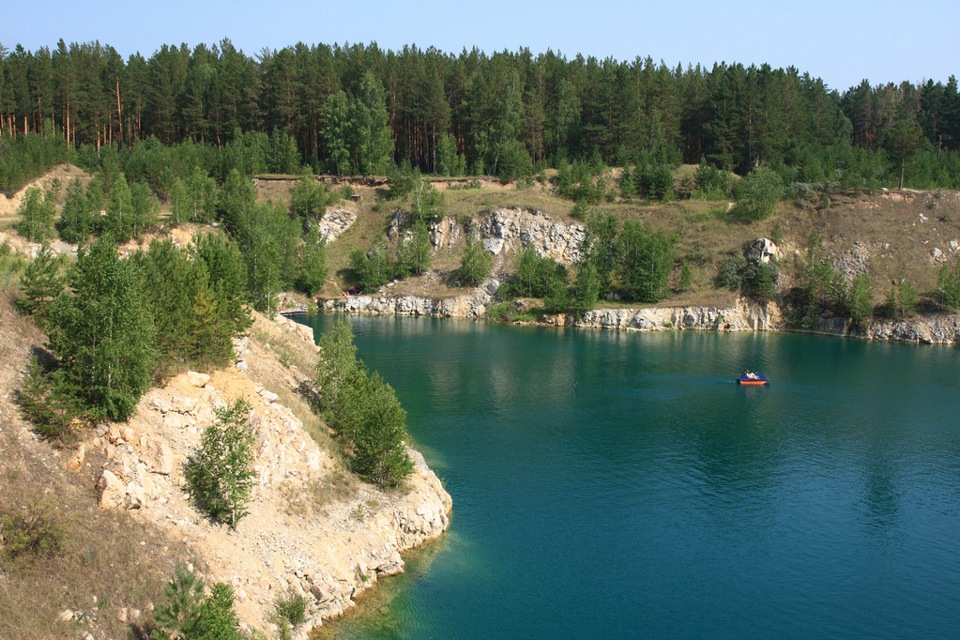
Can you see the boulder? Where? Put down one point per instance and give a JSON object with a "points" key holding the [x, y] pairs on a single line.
{"points": [[198, 379], [762, 250], [183, 404], [157, 455], [110, 490]]}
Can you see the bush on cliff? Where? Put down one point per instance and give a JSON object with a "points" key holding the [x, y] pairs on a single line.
{"points": [[220, 475], [362, 409], [188, 613]]}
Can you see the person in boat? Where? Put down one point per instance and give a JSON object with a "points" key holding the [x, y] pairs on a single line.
{"points": [[750, 375]]}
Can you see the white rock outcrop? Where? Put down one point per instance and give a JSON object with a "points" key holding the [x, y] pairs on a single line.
{"points": [[300, 533]]}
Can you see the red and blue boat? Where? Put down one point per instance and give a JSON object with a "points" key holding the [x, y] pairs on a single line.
{"points": [[753, 379]]}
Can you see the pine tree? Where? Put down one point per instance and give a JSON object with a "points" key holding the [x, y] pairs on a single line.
{"points": [[587, 288], [362, 409], [119, 219], [375, 424], [144, 209], [228, 279], [103, 334], [861, 303], [49, 402], [41, 283], [374, 140], [184, 595], [181, 202]]}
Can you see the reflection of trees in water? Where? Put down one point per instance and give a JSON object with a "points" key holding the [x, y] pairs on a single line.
{"points": [[882, 493]]}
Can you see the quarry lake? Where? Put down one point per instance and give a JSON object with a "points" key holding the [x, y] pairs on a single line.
{"points": [[621, 485]]}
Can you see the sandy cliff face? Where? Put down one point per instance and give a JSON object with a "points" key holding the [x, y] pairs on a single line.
{"points": [[300, 535]]}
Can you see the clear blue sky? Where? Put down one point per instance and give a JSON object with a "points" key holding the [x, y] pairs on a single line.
{"points": [[841, 41]]}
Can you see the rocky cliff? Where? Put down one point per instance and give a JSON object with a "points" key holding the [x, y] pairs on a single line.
{"points": [[310, 530], [504, 231]]}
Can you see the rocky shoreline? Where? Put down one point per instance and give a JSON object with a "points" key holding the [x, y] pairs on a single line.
{"points": [[745, 316], [297, 538]]}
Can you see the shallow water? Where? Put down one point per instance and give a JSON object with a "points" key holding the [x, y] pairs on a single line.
{"points": [[622, 485]]}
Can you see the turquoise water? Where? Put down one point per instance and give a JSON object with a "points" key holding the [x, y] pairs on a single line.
{"points": [[620, 485]]}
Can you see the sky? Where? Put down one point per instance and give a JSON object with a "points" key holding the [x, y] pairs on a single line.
{"points": [[842, 42]]}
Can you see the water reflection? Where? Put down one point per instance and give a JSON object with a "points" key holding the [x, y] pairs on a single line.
{"points": [[605, 481]]}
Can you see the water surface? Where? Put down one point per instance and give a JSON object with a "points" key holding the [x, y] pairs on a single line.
{"points": [[612, 485]]}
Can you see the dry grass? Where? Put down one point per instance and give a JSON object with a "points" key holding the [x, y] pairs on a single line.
{"points": [[108, 562], [287, 374], [311, 502], [109, 568], [896, 231]]}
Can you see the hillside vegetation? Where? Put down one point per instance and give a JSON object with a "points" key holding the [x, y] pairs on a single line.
{"points": [[893, 235], [83, 580]]}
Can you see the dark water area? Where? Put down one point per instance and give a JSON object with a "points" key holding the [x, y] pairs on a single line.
{"points": [[621, 485]]}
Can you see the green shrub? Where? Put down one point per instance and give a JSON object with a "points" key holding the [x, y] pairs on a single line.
{"points": [[48, 401], [534, 276], [30, 531], [292, 608], [580, 211], [948, 287], [475, 264], [645, 260], [752, 278], [502, 311], [188, 613], [374, 268], [757, 194], [220, 475], [712, 183]]}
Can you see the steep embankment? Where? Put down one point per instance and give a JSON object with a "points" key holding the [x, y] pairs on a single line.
{"points": [[312, 528]]}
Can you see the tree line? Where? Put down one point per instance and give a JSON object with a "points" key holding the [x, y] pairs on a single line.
{"points": [[357, 108]]}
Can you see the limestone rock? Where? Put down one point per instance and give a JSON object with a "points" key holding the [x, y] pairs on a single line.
{"points": [[269, 396], [197, 379], [334, 223], [183, 404], [110, 490], [762, 250], [157, 455], [75, 461]]}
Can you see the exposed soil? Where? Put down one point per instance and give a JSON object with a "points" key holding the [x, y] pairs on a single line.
{"points": [[65, 173], [110, 567]]}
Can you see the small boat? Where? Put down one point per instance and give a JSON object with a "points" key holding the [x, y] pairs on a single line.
{"points": [[755, 379]]}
